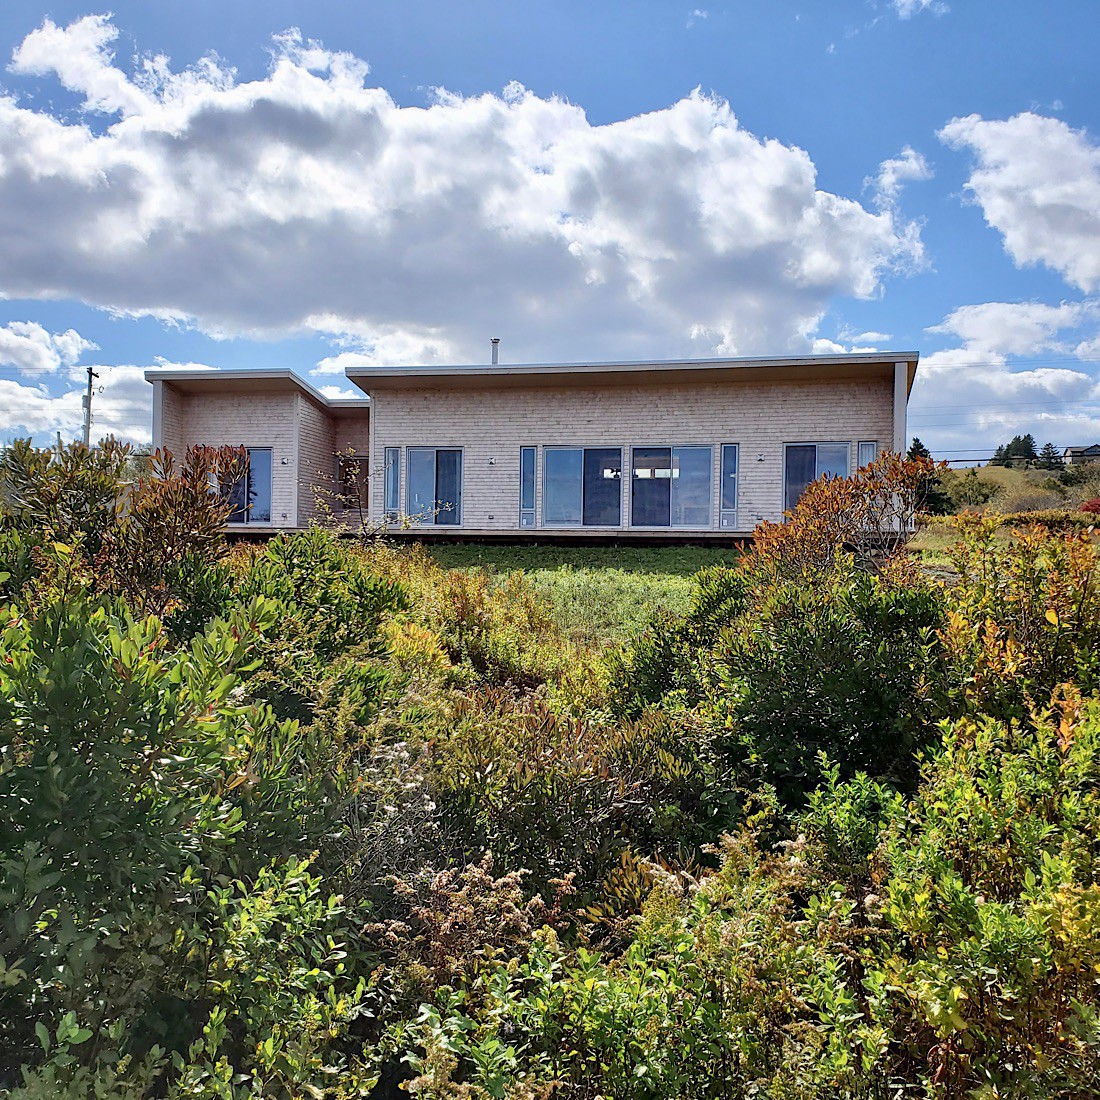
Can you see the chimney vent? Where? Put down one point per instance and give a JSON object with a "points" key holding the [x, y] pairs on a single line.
{"points": [[495, 344]]}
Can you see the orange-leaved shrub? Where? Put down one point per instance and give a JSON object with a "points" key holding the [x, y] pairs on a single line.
{"points": [[870, 514]]}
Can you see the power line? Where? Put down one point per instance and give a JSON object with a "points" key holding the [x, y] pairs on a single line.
{"points": [[1029, 365], [1003, 404]]}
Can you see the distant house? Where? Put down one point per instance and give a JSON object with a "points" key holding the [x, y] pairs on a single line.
{"points": [[1075, 456], [661, 448]]}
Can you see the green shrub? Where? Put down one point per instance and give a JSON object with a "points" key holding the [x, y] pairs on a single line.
{"points": [[663, 657], [842, 824], [1023, 617], [130, 775], [1055, 519], [324, 651], [841, 670], [992, 889], [558, 795]]}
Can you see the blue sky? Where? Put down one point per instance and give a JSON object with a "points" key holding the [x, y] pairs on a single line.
{"points": [[316, 184]]}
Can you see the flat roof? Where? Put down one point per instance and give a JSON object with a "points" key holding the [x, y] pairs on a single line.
{"points": [[879, 364], [745, 369], [248, 379]]}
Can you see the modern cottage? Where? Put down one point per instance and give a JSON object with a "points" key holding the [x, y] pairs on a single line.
{"points": [[647, 449]]}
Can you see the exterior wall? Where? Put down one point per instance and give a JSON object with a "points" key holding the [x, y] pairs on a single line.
{"points": [[303, 439], [169, 418], [316, 458], [353, 435], [242, 419], [492, 424]]}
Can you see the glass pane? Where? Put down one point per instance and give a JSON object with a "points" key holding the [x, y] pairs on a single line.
{"points": [[800, 466], [421, 475], [259, 486], [868, 452], [603, 474], [236, 493], [651, 487], [393, 480], [832, 459], [729, 477], [448, 487], [561, 486], [527, 478], [691, 470]]}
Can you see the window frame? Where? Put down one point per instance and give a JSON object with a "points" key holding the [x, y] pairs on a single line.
{"points": [[460, 505], [729, 514], [532, 511], [815, 443], [547, 449], [672, 448], [860, 444], [391, 505]]}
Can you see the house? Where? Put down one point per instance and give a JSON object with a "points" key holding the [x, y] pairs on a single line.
{"points": [[1075, 456], [679, 448]]}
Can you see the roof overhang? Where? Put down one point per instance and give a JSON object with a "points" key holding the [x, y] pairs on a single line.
{"points": [[814, 368], [265, 380]]}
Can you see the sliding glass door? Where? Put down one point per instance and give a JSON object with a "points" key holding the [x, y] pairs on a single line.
{"points": [[671, 487], [435, 485], [582, 486], [603, 496]]}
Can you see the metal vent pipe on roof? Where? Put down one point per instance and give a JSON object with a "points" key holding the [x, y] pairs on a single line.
{"points": [[495, 344]]}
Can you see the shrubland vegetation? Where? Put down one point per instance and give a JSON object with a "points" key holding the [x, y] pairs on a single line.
{"points": [[326, 818], [1009, 490]]}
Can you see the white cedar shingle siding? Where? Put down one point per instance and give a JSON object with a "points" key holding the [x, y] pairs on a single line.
{"points": [[170, 418], [303, 439], [316, 459], [496, 422], [240, 419]]}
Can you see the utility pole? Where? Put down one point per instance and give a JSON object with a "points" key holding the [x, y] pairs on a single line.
{"points": [[87, 402]]}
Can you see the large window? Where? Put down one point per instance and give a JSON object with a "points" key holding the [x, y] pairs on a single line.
{"points": [[250, 496], [804, 463], [671, 487], [435, 485], [527, 486], [582, 486]]}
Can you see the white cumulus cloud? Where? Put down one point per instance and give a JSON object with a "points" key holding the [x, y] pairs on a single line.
{"points": [[974, 392], [309, 201], [893, 174], [120, 406], [27, 346], [1037, 181]]}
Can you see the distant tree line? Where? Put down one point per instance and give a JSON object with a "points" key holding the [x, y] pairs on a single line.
{"points": [[1021, 451]]}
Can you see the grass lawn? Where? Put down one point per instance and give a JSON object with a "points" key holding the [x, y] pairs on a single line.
{"points": [[600, 594]]}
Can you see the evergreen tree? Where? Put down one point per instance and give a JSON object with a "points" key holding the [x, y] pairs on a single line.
{"points": [[1018, 451], [1050, 458], [918, 450], [934, 500], [1021, 450]]}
